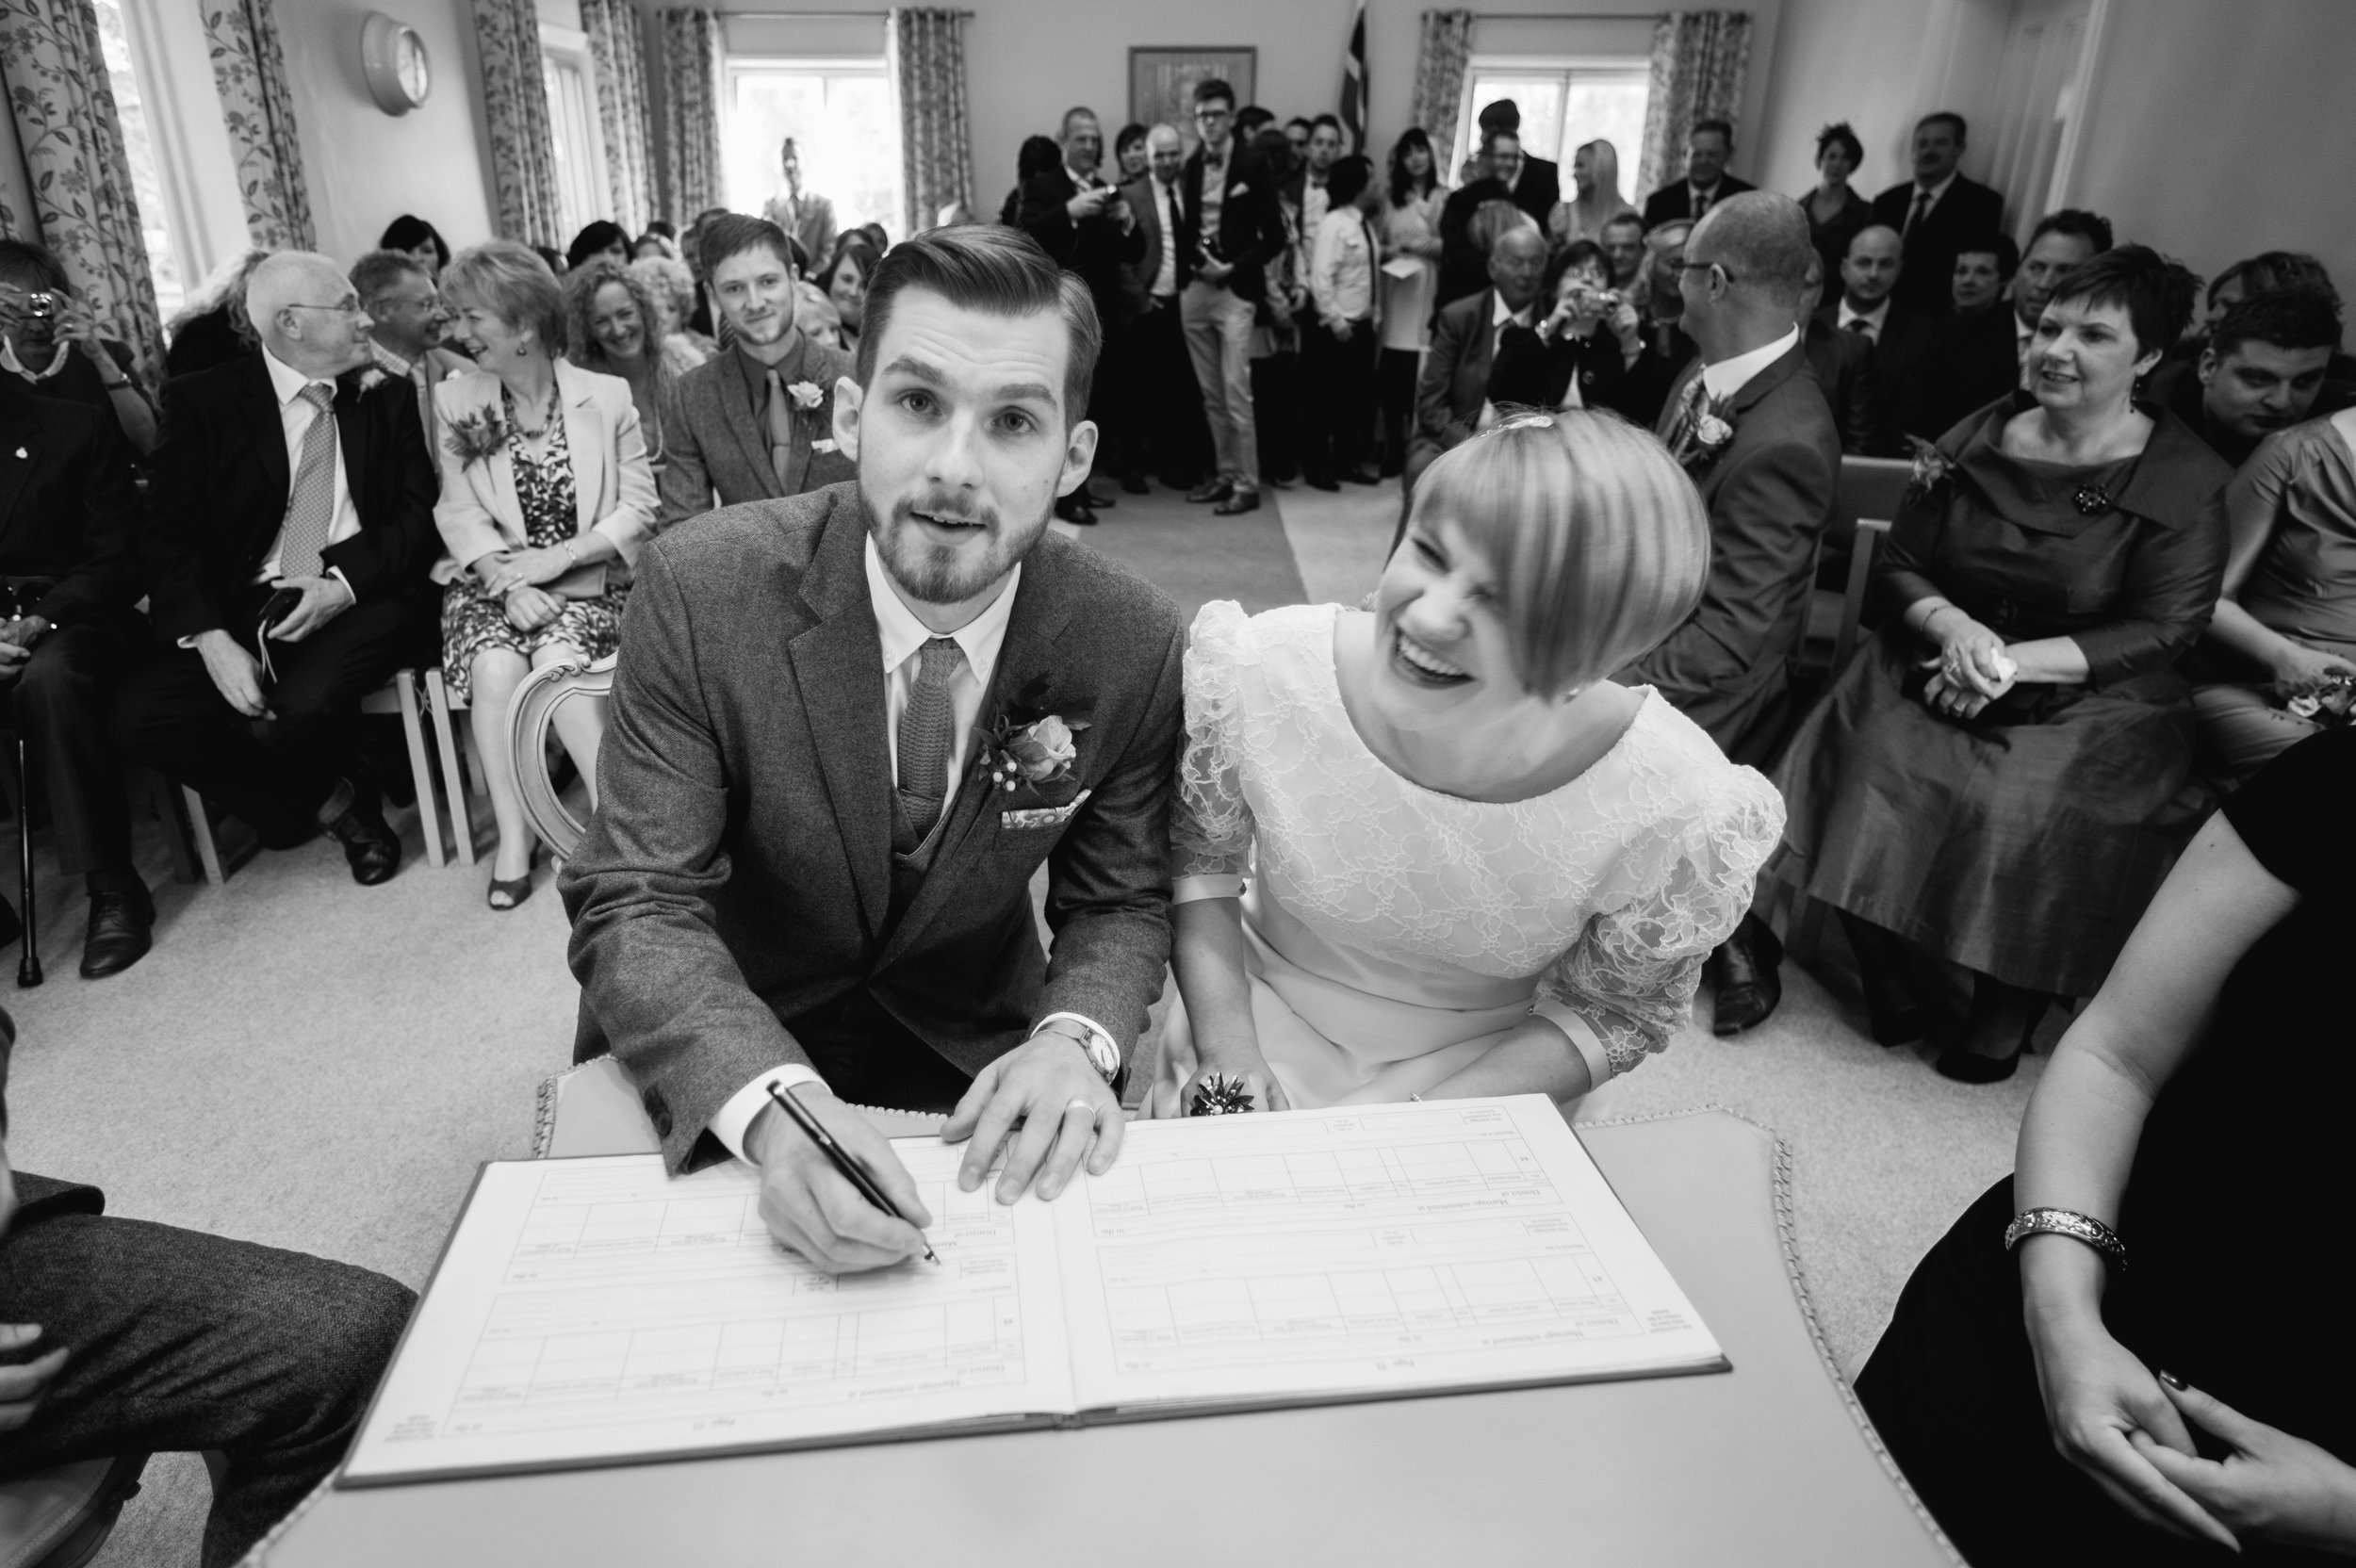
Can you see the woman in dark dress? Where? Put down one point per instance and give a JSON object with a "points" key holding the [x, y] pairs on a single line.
{"points": [[2199, 1113], [1835, 213], [1994, 788]]}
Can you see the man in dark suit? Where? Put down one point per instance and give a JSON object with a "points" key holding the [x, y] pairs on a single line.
{"points": [[1934, 212], [1163, 416], [1463, 261], [68, 520], [745, 425], [1080, 218], [284, 482], [1536, 185], [1902, 342], [1843, 365], [1232, 202], [1453, 389], [1751, 425], [845, 731], [1705, 183]]}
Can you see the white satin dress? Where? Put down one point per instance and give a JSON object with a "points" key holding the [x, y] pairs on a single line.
{"points": [[1396, 933]]}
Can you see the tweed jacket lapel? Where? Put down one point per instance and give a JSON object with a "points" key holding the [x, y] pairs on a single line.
{"points": [[838, 666]]}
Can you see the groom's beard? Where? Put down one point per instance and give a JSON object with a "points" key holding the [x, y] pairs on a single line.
{"points": [[942, 573]]}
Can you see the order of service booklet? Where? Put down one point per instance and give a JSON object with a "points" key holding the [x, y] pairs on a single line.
{"points": [[596, 1310]]}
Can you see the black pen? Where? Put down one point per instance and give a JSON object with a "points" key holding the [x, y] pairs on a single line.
{"points": [[852, 1170]]}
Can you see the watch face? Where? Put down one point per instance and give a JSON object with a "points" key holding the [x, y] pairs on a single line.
{"points": [[409, 63]]}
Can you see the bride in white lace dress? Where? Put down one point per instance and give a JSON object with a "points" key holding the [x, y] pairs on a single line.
{"points": [[1433, 850]]}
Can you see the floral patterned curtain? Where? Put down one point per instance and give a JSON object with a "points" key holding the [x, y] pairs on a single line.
{"points": [[515, 102], [616, 47], [54, 71], [252, 75], [691, 118], [935, 142], [1698, 64], [1440, 81]]}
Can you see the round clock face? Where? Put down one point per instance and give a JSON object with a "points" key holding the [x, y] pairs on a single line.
{"points": [[411, 67], [393, 59]]}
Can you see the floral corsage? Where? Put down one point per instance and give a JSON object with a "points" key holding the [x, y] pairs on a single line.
{"points": [[824, 445], [477, 437], [1931, 468], [1709, 435], [806, 394], [1040, 752]]}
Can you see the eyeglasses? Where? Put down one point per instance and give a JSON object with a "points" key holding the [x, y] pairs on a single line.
{"points": [[1212, 114], [350, 307]]}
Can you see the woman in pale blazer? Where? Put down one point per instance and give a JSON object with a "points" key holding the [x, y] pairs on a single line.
{"points": [[546, 494]]}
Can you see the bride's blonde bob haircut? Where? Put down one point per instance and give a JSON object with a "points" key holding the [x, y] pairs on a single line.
{"points": [[1597, 541]]}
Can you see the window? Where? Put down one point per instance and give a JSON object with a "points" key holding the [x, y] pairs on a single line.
{"points": [[838, 113], [565, 69], [1566, 103], [164, 261]]}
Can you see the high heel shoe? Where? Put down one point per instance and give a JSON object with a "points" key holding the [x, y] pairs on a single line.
{"points": [[1997, 1010], [1892, 1014], [514, 889]]}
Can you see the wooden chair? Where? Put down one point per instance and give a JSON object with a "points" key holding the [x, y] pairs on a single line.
{"points": [[451, 741], [528, 716], [59, 1517]]}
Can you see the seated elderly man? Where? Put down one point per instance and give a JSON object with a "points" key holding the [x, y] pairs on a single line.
{"points": [[1453, 392]]}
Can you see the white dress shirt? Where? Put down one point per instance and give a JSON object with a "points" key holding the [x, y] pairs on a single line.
{"points": [[1341, 269], [9, 363], [295, 415], [1499, 318], [1729, 376], [1874, 319], [903, 638], [1166, 213], [2023, 332]]}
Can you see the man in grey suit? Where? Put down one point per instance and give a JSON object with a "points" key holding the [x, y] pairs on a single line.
{"points": [[756, 421], [808, 216], [1751, 425], [846, 730], [1454, 387]]}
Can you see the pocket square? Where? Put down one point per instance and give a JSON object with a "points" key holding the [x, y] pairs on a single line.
{"points": [[1043, 816], [1239, 188]]}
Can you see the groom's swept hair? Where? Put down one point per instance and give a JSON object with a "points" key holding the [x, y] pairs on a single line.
{"points": [[1598, 541], [996, 270]]}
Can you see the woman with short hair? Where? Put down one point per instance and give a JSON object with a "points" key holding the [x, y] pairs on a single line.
{"points": [[1992, 788], [617, 327], [845, 280], [412, 236], [545, 496], [1432, 850], [1835, 213]]}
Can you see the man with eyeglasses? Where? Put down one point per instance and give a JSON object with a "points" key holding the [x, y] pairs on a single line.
{"points": [[1232, 197], [289, 538]]}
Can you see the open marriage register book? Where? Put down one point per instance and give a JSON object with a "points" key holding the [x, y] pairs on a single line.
{"points": [[596, 1311]]}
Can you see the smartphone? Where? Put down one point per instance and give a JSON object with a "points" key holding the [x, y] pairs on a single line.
{"points": [[279, 606]]}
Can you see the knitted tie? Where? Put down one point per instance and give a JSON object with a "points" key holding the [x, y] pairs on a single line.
{"points": [[1689, 410], [925, 734], [780, 429], [1914, 213], [311, 500], [1862, 327]]}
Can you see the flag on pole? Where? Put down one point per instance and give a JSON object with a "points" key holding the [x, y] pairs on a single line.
{"points": [[1355, 82]]}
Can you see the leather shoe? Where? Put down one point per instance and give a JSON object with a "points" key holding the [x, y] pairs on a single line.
{"points": [[1242, 500], [1748, 985], [1322, 482], [1363, 475], [1211, 490], [369, 846], [1136, 485], [118, 937], [1072, 509]]}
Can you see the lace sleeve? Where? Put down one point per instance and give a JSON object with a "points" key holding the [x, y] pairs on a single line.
{"points": [[1628, 984], [1210, 823]]}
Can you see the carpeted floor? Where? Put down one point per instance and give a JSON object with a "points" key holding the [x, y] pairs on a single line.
{"points": [[308, 1064]]}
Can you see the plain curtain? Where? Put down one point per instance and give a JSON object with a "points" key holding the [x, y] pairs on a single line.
{"points": [[616, 46], [690, 120], [251, 73], [1440, 82], [1698, 64], [936, 140], [515, 104]]}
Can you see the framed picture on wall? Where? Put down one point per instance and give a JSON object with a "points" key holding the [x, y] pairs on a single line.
{"points": [[1161, 82]]}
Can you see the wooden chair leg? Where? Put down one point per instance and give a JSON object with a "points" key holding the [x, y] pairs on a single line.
{"points": [[28, 966], [421, 773], [177, 838], [201, 829], [446, 740]]}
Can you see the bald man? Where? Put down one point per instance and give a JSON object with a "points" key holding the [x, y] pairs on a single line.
{"points": [[1165, 429], [287, 478], [1903, 342]]}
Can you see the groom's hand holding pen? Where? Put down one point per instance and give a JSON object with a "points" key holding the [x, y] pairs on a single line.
{"points": [[813, 1207]]}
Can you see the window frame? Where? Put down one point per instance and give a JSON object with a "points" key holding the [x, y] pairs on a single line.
{"points": [[733, 67], [567, 49], [1568, 68]]}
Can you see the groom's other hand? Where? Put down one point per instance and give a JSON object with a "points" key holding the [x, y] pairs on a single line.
{"points": [[813, 1210], [1048, 1106]]}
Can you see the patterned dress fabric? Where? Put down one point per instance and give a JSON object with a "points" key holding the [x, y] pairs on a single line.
{"points": [[472, 620]]}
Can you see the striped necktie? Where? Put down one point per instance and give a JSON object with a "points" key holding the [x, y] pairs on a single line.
{"points": [[926, 739], [311, 500]]}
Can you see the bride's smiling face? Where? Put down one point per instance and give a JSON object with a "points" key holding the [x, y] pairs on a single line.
{"points": [[1442, 654]]}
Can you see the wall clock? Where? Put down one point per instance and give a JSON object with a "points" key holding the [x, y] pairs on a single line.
{"points": [[393, 59]]}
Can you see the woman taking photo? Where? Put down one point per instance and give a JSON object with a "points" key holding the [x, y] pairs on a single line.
{"points": [[1994, 786], [546, 495], [1577, 355], [1433, 850], [614, 325]]}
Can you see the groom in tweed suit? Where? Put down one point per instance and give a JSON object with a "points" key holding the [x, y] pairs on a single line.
{"points": [[846, 729]]}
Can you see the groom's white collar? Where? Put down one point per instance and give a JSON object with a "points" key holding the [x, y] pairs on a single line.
{"points": [[902, 633]]}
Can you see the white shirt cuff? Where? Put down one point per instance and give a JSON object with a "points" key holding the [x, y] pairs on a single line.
{"points": [[1190, 890], [1582, 1035], [732, 1121]]}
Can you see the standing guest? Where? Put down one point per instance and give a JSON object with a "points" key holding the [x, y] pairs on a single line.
{"points": [[1452, 396], [69, 562], [1843, 364], [2285, 626], [50, 345], [1978, 358], [803, 214], [1595, 198], [614, 328], [545, 496], [1410, 233], [288, 472], [1835, 213], [1664, 349], [1164, 420], [1934, 212], [1241, 225], [1276, 327], [672, 287], [1463, 259], [1534, 185], [1339, 340], [603, 241], [1751, 426], [1576, 356], [844, 279], [1130, 156], [1298, 132], [210, 327], [1985, 265], [1250, 120], [1706, 182], [1083, 224], [753, 423], [2261, 371], [1036, 156], [419, 238], [1904, 345], [1536, 860], [1994, 788], [1623, 242], [1306, 199], [407, 320], [2188, 1132]]}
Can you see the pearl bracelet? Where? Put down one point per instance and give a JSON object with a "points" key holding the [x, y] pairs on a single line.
{"points": [[2069, 1223]]}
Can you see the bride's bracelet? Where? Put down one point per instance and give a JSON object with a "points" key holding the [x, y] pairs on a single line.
{"points": [[2070, 1223]]}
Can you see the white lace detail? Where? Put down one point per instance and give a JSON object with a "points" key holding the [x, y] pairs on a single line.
{"points": [[1612, 888]]}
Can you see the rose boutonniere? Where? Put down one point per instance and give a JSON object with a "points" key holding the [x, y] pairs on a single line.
{"points": [[1015, 753], [371, 378], [1708, 433], [1931, 469], [806, 394], [825, 445], [476, 438]]}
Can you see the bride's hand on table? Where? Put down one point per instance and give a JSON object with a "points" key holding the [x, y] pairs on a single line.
{"points": [[1236, 1063]]}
